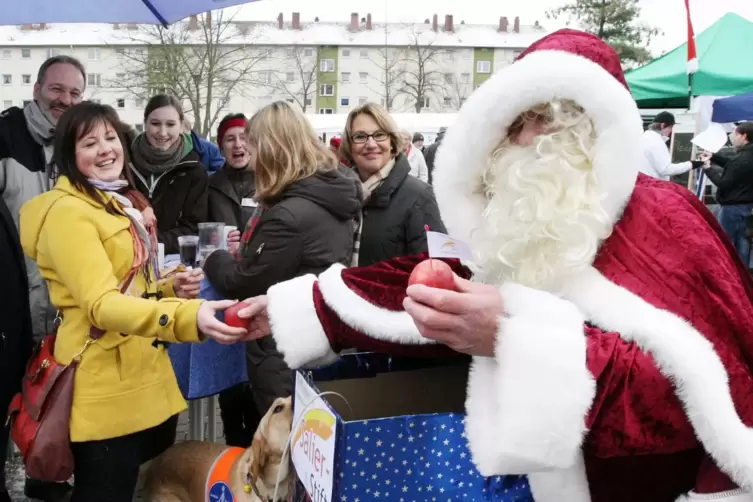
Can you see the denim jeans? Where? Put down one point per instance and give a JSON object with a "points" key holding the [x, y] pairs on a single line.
{"points": [[734, 220]]}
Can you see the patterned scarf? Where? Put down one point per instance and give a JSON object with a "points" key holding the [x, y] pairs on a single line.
{"points": [[42, 128], [369, 186], [249, 230]]}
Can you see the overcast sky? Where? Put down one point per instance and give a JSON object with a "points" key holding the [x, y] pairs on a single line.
{"points": [[668, 15]]}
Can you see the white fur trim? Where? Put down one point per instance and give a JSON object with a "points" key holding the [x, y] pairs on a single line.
{"points": [[563, 485], [538, 78], [526, 407], [738, 495], [361, 315], [682, 354], [295, 325]]}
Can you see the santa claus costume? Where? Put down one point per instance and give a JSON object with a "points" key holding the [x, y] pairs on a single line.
{"points": [[632, 382]]}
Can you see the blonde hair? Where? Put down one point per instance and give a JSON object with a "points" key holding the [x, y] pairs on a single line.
{"points": [[287, 148], [383, 119]]}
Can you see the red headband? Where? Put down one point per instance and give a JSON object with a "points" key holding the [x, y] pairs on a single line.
{"points": [[238, 122]]}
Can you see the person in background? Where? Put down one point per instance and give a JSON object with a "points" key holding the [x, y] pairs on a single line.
{"points": [[169, 173], [26, 170], [209, 154], [16, 337], [431, 152], [415, 158], [231, 192], [397, 206], [304, 224], [418, 141], [733, 177], [657, 160], [98, 259]]}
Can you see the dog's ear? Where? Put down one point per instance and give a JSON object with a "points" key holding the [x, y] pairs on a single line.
{"points": [[260, 458]]}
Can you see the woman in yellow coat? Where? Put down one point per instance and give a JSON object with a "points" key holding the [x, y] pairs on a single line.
{"points": [[87, 239]]}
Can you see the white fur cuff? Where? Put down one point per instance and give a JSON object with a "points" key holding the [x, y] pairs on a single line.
{"points": [[526, 408], [295, 324]]}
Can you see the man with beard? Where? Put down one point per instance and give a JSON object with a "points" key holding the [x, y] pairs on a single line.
{"points": [[26, 137], [610, 320]]}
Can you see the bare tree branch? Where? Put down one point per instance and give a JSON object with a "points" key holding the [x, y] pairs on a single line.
{"points": [[455, 89], [421, 78], [201, 62], [388, 80], [298, 80]]}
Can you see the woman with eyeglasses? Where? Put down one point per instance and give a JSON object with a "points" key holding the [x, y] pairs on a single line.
{"points": [[397, 206]]}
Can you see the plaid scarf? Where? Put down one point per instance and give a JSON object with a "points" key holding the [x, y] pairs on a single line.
{"points": [[249, 230], [369, 186]]}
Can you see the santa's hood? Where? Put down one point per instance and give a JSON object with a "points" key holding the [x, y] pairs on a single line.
{"points": [[567, 64]]}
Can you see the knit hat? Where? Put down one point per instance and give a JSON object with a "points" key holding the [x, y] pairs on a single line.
{"points": [[417, 136]]}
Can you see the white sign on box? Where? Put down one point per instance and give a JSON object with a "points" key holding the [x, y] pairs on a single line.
{"points": [[313, 444], [712, 139], [443, 246]]}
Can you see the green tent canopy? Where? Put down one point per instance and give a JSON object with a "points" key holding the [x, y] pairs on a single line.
{"points": [[725, 67]]}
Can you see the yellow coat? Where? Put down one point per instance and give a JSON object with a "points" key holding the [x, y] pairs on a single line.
{"points": [[123, 384]]}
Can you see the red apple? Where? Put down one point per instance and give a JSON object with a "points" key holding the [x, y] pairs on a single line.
{"points": [[232, 319], [433, 273]]}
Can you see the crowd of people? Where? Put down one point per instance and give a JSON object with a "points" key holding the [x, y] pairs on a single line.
{"points": [[608, 318]]}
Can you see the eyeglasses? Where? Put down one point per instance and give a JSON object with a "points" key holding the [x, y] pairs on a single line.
{"points": [[362, 137]]}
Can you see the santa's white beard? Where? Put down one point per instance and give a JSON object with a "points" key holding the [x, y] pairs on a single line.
{"points": [[544, 220]]}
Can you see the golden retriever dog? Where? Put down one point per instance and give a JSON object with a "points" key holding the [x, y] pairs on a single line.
{"points": [[196, 471]]}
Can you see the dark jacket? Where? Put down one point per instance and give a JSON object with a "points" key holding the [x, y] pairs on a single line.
{"points": [[16, 337], [230, 196], [395, 216], [308, 229], [24, 174], [179, 198], [430, 153], [209, 153], [734, 177]]}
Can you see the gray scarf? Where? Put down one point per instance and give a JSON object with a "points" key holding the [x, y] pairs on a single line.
{"points": [[150, 161], [41, 126]]}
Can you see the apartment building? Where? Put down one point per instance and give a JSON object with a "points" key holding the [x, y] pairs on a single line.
{"points": [[431, 65]]}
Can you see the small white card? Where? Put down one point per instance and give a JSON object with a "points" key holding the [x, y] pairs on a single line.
{"points": [[443, 246], [248, 202]]}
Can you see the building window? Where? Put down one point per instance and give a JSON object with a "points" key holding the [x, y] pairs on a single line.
{"points": [[447, 101], [139, 102], [307, 101], [7, 104], [346, 53], [466, 54], [325, 111], [7, 53], [121, 103], [93, 53], [139, 127], [448, 78], [327, 90], [308, 52], [290, 53], [94, 79], [290, 76], [25, 53], [362, 100], [7, 79], [424, 102], [465, 78], [26, 79], [120, 77], [266, 77], [52, 52], [483, 66], [290, 100], [363, 77], [26, 102], [327, 65], [387, 104], [516, 54], [364, 54], [462, 101], [344, 101], [345, 77], [449, 56]]}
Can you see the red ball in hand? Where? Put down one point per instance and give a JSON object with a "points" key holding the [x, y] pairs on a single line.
{"points": [[433, 273], [232, 319]]}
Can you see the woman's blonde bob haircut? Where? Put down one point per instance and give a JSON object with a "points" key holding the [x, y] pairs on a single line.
{"points": [[287, 148], [384, 121]]}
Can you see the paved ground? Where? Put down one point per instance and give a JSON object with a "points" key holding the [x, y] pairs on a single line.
{"points": [[15, 471]]}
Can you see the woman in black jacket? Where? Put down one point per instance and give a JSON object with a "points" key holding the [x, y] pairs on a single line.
{"points": [[397, 206], [733, 177], [304, 224], [168, 172]]}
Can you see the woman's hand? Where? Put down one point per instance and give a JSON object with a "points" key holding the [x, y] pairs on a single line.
{"points": [[188, 284], [257, 312], [150, 220], [212, 328], [233, 242], [465, 320]]}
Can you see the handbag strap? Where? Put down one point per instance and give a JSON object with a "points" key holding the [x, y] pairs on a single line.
{"points": [[96, 333]]}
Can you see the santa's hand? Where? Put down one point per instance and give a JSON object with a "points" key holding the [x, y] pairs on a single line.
{"points": [[465, 320], [257, 312]]}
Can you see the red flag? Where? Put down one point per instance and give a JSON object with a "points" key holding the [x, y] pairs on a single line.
{"points": [[692, 56]]}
